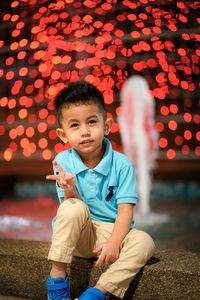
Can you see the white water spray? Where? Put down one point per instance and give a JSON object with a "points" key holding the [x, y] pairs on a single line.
{"points": [[138, 133]]}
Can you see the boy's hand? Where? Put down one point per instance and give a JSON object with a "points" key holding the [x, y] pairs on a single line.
{"points": [[65, 180], [109, 253]]}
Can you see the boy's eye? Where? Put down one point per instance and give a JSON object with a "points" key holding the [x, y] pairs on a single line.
{"points": [[93, 121], [74, 125]]}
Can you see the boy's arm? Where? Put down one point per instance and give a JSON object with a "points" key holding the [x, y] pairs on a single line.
{"points": [[122, 224], [109, 251]]}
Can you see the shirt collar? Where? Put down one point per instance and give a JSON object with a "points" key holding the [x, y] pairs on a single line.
{"points": [[104, 165], [78, 165]]}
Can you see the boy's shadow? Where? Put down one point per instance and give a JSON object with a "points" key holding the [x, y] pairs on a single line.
{"points": [[82, 270]]}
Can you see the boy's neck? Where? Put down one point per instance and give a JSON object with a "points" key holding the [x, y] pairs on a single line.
{"points": [[91, 161]]}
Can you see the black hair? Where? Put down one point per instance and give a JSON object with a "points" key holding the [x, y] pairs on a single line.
{"points": [[76, 93]]}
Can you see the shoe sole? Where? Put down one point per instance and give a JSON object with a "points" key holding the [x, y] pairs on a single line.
{"points": [[63, 299]]}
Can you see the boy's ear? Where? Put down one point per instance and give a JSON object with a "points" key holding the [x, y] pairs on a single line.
{"points": [[107, 125], [61, 134]]}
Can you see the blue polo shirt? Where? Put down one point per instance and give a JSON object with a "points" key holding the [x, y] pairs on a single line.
{"points": [[111, 182]]}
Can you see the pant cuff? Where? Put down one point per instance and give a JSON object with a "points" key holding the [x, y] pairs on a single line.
{"points": [[112, 289], [64, 255]]}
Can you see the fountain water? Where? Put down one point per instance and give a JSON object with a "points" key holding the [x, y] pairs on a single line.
{"points": [[139, 137]]}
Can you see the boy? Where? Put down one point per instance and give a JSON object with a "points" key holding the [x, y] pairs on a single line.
{"points": [[96, 187]]}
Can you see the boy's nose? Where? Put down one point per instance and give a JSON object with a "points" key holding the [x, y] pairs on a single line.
{"points": [[85, 130]]}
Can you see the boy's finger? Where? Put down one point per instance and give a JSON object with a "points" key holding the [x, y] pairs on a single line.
{"points": [[57, 166], [68, 177], [101, 261], [97, 249], [62, 182], [52, 177]]}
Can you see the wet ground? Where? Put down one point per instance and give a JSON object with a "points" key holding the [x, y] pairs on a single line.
{"points": [[178, 225], [174, 225], [27, 219]]}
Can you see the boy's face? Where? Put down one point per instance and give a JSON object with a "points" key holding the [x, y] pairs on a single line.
{"points": [[84, 127]]}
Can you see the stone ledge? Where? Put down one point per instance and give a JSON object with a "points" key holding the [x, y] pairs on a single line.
{"points": [[167, 275]]}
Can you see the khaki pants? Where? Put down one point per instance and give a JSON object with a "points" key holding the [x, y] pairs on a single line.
{"points": [[75, 234]]}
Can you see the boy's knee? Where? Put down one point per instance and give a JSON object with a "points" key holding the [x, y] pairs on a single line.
{"points": [[143, 242], [72, 208], [147, 243]]}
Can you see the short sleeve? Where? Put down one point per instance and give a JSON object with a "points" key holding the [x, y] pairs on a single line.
{"points": [[127, 190]]}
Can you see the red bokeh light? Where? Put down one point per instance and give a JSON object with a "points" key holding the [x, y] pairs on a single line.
{"points": [[172, 125], [8, 154], [146, 38], [187, 134], [160, 126], [42, 127], [171, 154], [178, 140], [163, 142], [43, 143], [187, 117], [30, 131], [185, 149], [47, 154]]}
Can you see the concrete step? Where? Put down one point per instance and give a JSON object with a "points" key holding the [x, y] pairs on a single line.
{"points": [[168, 275], [11, 298]]}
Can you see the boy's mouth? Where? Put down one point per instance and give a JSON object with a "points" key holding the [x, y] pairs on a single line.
{"points": [[85, 142]]}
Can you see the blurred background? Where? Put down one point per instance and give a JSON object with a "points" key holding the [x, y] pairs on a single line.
{"points": [[44, 45]]}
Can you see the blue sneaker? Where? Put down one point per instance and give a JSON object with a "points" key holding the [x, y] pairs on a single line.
{"points": [[92, 294], [58, 288]]}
